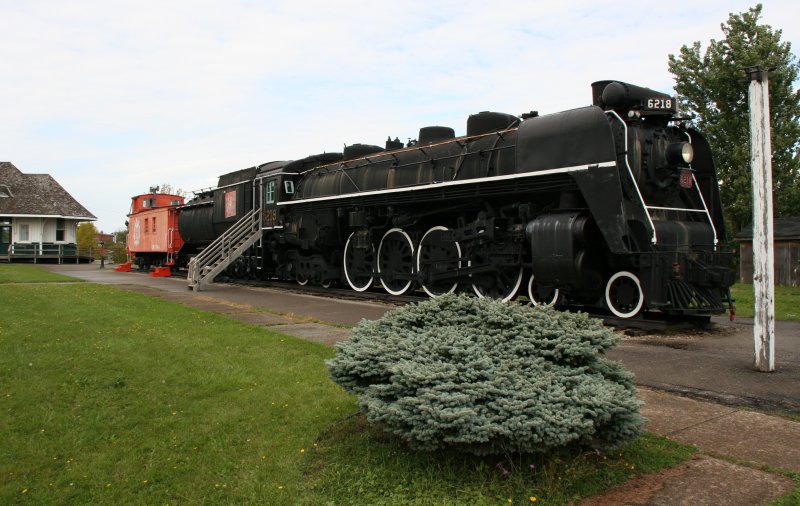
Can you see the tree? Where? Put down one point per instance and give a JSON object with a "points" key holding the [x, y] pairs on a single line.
{"points": [[86, 238], [168, 188], [713, 86], [118, 248]]}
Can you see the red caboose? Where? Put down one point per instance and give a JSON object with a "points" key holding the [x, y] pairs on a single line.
{"points": [[153, 238]]}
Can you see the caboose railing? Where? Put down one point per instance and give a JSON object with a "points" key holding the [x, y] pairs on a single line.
{"points": [[224, 250]]}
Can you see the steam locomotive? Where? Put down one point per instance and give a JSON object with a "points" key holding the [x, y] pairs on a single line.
{"points": [[614, 205]]}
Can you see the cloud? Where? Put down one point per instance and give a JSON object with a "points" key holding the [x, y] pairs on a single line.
{"points": [[113, 97]]}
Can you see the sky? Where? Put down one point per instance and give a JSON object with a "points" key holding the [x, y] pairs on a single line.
{"points": [[113, 97]]}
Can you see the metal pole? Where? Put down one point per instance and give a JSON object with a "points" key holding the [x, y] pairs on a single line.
{"points": [[763, 255]]}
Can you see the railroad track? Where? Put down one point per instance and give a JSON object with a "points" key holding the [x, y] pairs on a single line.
{"points": [[644, 322]]}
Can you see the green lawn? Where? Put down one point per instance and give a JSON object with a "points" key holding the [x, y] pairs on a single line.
{"points": [[29, 273], [108, 396], [787, 301]]}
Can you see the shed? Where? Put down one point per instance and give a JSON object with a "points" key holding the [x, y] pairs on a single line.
{"points": [[38, 217], [786, 236]]}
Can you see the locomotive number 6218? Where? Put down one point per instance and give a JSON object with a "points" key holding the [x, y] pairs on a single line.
{"points": [[659, 103]]}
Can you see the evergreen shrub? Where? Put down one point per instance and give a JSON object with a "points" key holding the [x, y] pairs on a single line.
{"points": [[486, 377]]}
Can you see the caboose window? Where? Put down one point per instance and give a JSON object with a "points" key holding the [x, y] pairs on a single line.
{"points": [[269, 195]]}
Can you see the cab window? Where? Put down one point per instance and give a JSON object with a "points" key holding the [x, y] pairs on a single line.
{"points": [[269, 193]]}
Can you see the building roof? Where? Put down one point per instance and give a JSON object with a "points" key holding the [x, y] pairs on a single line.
{"points": [[36, 195], [782, 228]]}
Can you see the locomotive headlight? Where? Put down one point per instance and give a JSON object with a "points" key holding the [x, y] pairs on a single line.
{"points": [[680, 153]]}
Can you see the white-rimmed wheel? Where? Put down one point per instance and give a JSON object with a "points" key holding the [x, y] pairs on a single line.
{"points": [[541, 296], [496, 275], [396, 261], [624, 295], [503, 285], [436, 255], [301, 280], [358, 265]]}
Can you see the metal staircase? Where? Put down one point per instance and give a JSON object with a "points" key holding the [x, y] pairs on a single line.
{"points": [[225, 249]]}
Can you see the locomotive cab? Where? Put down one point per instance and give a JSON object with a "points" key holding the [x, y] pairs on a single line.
{"points": [[272, 186]]}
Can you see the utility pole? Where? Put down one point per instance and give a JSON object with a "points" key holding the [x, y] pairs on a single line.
{"points": [[763, 255]]}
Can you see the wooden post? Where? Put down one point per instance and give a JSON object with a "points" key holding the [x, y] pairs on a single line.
{"points": [[763, 255]]}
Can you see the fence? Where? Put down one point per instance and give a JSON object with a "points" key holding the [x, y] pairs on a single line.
{"points": [[48, 251]]}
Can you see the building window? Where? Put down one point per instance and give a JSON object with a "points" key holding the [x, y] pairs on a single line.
{"points": [[24, 232], [147, 225], [145, 202], [154, 224], [60, 229], [4, 191]]}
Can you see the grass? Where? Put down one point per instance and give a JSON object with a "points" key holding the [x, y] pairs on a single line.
{"points": [[787, 301], [108, 396], [793, 497], [355, 463], [29, 273]]}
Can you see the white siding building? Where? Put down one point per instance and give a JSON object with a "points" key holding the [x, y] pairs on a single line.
{"points": [[38, 217]]}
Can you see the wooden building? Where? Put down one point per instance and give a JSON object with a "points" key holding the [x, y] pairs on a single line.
{"points": [[38, 218], [786, 236]]}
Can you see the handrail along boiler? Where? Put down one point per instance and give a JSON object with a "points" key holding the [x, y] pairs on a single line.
{"points": [[613, 205]]}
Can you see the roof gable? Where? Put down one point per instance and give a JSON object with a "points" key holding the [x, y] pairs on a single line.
{"points": [[37, 195]]}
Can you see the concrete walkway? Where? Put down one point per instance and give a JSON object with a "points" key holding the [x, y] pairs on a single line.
{"points": [[744, 454], [743, 460]]}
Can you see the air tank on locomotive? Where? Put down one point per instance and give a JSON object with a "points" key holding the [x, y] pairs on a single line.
{"points": [[195, 222]]}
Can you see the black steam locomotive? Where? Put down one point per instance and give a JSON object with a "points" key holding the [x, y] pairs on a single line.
{"points": [[614, 205]]}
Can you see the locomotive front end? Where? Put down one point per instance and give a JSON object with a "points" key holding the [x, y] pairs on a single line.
{"points": [[676, 263]]}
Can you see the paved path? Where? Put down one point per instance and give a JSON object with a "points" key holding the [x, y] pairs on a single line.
{"points": [[736, 444], [718, 365]]}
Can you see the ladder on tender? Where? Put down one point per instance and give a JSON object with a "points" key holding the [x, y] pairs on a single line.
{"points": [[224, 250]]}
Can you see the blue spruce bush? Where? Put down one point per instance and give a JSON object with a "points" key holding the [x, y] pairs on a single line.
{"points": [[486, 377]]}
